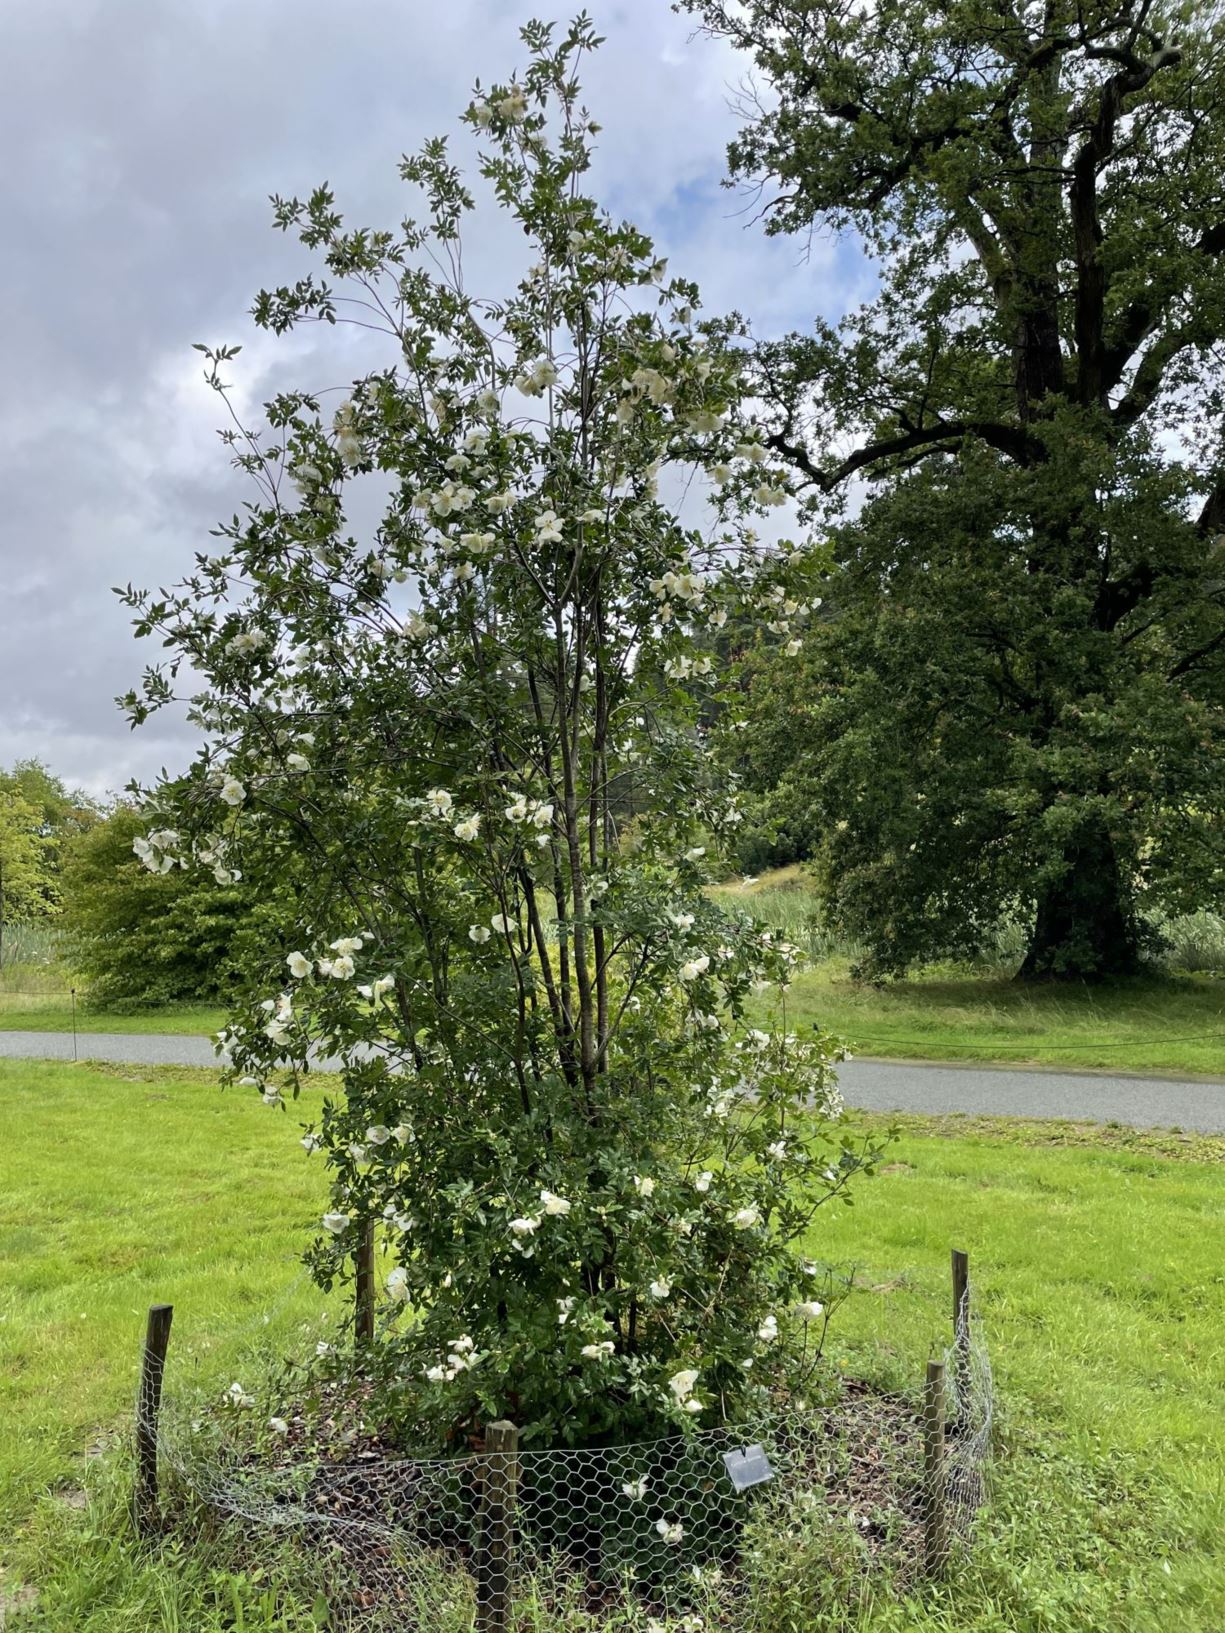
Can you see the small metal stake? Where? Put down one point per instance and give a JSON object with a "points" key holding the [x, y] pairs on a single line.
{"points": [[148, 1405]]}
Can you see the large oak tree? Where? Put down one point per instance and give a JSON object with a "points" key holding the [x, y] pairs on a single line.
{"points": [[1017, 698]]}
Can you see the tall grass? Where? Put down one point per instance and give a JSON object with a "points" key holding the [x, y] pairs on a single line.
{"points": [[33, 961]]}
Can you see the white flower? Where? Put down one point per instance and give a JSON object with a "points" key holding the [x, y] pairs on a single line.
{"points": [[793, 647], [768, 1331], [247, 640], [704, 421], [810, 1310], [497, 503], [278, 1426], [702, 1182], [232, 791], [635, 1490], [696, 854], [501, 923], [439, 802], [416, 628], [479, 543], [478, 933], [565, 1308], [337, 1223], [746, 1218], [513, 106], [682, 921], [524, 1227], [311, 1142], [777, 1151], [598, 1352], [237, 1396], [661, 1288], [349, 446], [402, 1133], [644, 1184], [359, 1153], [548, 528], [341, 968], [670, 1531], [397, 1285], [377, 1134], [299, 966], [436, 1374], [482, 113], [693, 1407], [272, 1097], [682, 1383], [385, 983], [694, 968], [554, 1205], [468, 828]]}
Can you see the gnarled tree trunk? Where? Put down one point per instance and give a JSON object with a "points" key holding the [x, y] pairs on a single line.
{"points": [[1085, 926]]}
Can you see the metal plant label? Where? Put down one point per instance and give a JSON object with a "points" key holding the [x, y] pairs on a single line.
{"points": [[747, 1466]]}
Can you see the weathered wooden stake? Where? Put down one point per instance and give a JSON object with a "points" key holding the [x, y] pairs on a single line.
{"points": [[363, 1323], [148, 1405], [935, 1519], [961, 1334], [496, 1546]]}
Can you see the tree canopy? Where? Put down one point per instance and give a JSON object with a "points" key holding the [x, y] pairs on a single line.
{"points": [[137, 937], [1016, 447]]}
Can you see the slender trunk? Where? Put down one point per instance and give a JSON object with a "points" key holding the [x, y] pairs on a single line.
{"points": [[1085, 925]]}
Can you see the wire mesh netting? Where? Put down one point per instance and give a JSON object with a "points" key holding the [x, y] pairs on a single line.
{"points": [[698, 1531]]}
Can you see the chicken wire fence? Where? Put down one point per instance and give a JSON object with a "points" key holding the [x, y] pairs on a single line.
{"points": [[700, 1531]]}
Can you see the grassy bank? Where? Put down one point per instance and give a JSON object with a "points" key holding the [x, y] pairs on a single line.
{"points": [[1172, 1022], [1173, 1025], [1097, 1266]]}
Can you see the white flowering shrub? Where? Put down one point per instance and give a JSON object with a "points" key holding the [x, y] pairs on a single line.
{"points": [[470, 739]]}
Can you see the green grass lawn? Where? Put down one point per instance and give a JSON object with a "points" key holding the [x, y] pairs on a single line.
{"points": [[52, 1012], [1098, 1270], [1172, 1023], [1175, 1025]]}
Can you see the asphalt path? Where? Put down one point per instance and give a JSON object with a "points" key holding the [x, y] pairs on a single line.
{"points": [[876, 1085]]}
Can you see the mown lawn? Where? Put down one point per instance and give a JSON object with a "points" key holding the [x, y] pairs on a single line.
{"points": [[1098, 1270], [1168, 1023], [53, 1012], [1175, 1025]]}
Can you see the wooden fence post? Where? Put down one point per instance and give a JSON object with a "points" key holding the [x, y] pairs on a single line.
{"points": [[148, 1405], [363, 1315], [961, 1335], [935, 1517], [495, 1547]]}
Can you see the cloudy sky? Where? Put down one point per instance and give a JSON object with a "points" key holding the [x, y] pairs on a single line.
{"points": [[142, 140]]}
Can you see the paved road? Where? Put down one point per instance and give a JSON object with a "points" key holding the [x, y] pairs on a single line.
{"points": [[877, 1085]]}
